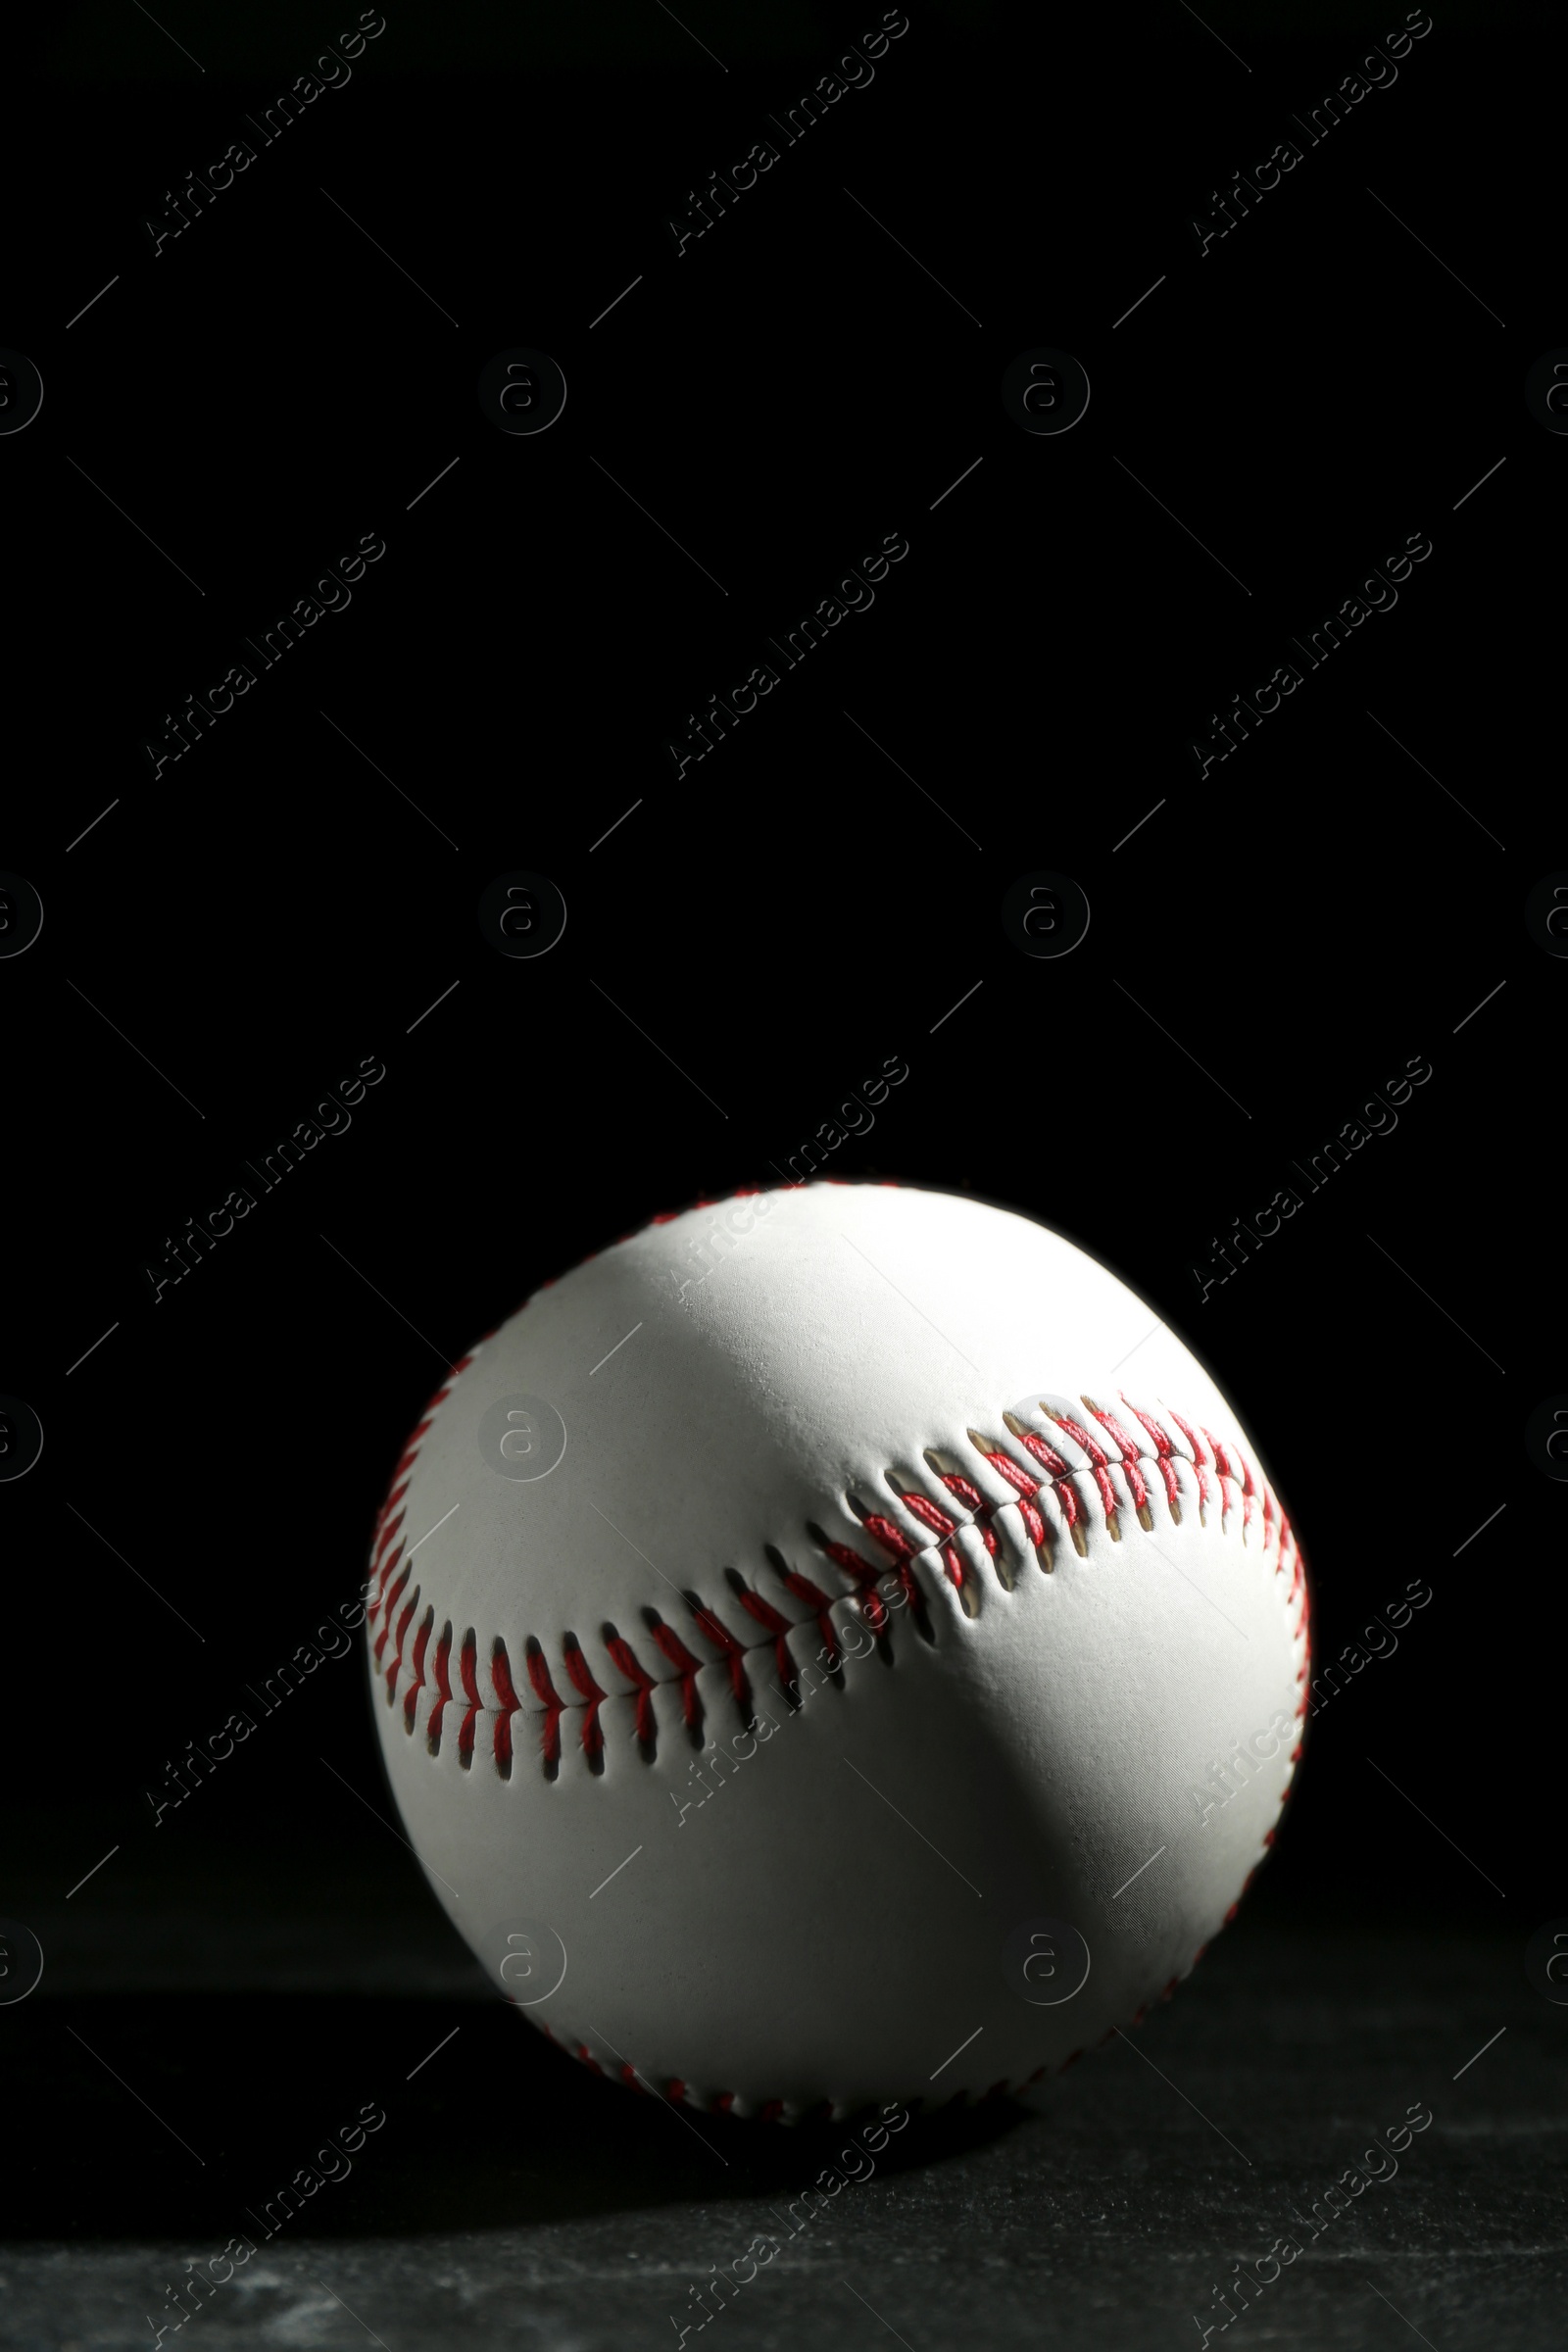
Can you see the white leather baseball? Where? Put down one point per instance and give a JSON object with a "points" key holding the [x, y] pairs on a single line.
{"points": [[1000, 1530]]}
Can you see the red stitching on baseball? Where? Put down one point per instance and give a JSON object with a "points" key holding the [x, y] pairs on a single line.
{"points": [[443, 1683], [1062, 1487], [1238, 1492], [725, 1641], [467, 1669], [687, 1668], [593, 1738], [417, 1667], [554, 1706], [772, 1619], [631, 1666]]}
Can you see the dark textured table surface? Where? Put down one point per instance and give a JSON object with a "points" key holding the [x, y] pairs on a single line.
{"points": [[1287, 385], [162, 2089]]}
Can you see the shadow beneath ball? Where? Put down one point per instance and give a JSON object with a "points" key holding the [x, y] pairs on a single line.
{"points": [[199, 2117]]}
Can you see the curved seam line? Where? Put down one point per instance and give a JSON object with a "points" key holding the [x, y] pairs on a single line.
{"points": [[750, 1649]]}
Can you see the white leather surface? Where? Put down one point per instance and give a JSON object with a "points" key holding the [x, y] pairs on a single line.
{"points": [[830, 1923]]}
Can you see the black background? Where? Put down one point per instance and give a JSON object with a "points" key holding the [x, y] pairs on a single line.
{"points": [[758, 935]]}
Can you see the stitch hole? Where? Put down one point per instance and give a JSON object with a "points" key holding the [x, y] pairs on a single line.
{"points": [[411, 1697], [1061, 1484], [582, 1679], [544, 1689], [1026, 1487], [671, 1647], [1061, 1476], [954, 1477], [867, 1596], [443, 1684], [732, 1650], [858, 1511], [917, 1611], [1021, 1429], [501, 1736], [939, 1521], [1131, 1456], [869, 1578], [779, 1564], [933, 1516], [900, 1571], [631, 1666]]}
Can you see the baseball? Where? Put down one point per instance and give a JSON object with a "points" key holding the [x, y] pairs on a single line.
{"points": [[835, 1645]]}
